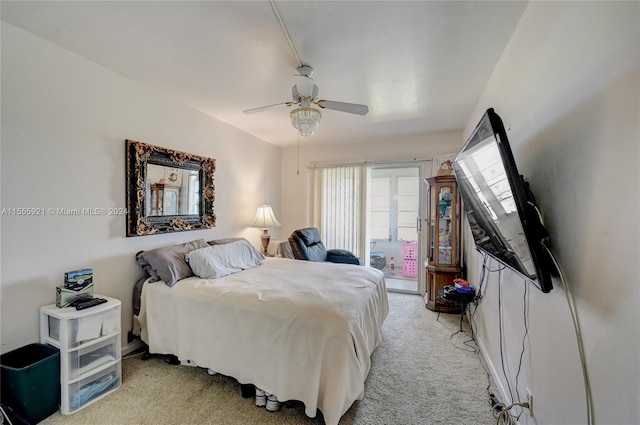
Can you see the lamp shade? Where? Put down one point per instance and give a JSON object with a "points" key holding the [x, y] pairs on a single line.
{"points": [[265, 218]]}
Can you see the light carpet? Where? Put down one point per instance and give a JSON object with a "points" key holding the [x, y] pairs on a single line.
{"points": [[423, 372]]}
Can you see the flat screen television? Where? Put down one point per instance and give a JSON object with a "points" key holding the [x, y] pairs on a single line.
{"points": [[499, 205]]}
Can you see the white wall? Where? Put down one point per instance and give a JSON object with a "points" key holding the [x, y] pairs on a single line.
{"points": [[296, 188], [568, 87], [64, 122]]}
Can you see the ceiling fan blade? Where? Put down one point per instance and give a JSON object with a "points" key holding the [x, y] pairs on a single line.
{"points": [[304, 85], [352, 108], [263, 108]]}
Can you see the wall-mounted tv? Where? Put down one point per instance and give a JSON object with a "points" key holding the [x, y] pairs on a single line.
{"points": [[499, 205]]}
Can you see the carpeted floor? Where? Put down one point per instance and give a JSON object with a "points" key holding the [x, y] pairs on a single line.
{"points": [[423, 372]]}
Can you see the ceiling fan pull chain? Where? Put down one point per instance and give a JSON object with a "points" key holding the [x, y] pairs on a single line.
{"points": [[298, 170]]}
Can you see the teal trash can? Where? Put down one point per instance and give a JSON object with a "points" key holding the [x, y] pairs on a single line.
{"points": [[31, 381]]}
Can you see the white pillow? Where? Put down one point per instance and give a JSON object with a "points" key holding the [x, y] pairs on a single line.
{"points": [[221, 260]]}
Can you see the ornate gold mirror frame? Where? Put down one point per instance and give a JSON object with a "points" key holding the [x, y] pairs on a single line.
{"points": [[145, 219]]}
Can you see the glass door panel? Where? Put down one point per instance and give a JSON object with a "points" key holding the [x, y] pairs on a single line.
{"points": [[394, 226]]}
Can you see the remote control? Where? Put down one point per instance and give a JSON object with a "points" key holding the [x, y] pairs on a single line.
{"points": [[90, 303]]}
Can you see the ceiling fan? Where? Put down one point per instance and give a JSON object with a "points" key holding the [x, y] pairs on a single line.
{"points": [[306, 117]]}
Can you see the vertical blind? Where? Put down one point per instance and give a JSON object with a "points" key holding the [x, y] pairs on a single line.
{"points": [[339, 209]]}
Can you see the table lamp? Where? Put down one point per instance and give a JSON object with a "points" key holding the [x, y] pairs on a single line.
{"points": [[265, 219]]}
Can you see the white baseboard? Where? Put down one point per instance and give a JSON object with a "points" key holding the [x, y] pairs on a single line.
{"points": [[503, 394], [494, 373], [132, 347]]}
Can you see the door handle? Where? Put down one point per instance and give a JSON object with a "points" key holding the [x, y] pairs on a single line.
{"points": [[418, 224]]}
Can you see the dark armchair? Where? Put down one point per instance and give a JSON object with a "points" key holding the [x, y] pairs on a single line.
{"points": [[306, 245]]}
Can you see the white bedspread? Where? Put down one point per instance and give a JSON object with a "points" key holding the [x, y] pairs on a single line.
{"points": [[298, 329]]}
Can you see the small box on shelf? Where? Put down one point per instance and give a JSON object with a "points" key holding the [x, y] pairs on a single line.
{"points": [[78, 278], [65, 296]]}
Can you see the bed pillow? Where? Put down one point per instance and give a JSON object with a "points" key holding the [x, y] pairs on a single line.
{"points": [[168, 262], [225, 241], [217, 261]]}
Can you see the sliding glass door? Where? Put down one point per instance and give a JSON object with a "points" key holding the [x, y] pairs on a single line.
{"points": [[395, 211], [374, 210]]}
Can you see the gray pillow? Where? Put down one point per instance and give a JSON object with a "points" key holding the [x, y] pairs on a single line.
{"points": [[168, 262], [224, 241]]}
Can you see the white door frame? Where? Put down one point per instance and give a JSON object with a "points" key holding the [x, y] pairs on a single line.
{"points": [[424, 167]]}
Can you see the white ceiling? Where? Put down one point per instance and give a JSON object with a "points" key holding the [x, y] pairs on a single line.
{"points": [[420, 66]]}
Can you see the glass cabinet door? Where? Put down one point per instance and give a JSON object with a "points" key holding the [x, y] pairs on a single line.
{"points": [[445, 237], [443, 222]]}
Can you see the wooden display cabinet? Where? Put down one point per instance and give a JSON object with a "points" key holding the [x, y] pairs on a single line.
{"points": [[443, 233], [164, 200]]}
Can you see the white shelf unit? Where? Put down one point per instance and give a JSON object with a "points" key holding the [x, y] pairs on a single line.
{"points": [[90, 351]]}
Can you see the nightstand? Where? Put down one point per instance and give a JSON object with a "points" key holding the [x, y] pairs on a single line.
{"points": [[90, 351], [279, 249]]}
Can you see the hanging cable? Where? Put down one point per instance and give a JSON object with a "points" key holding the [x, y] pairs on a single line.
{"points": [[5, 416], [502, 415], [525, 305], [502, 336], [576, 327]]}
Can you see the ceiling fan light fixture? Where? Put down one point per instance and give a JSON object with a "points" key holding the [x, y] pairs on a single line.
{"points": [[305, 120]]}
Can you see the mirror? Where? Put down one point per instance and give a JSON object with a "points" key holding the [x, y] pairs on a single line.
{"points": [[168, 190], [172, 191]]}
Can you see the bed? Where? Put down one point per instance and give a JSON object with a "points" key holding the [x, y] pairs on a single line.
{"points": [[300, 330]]}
